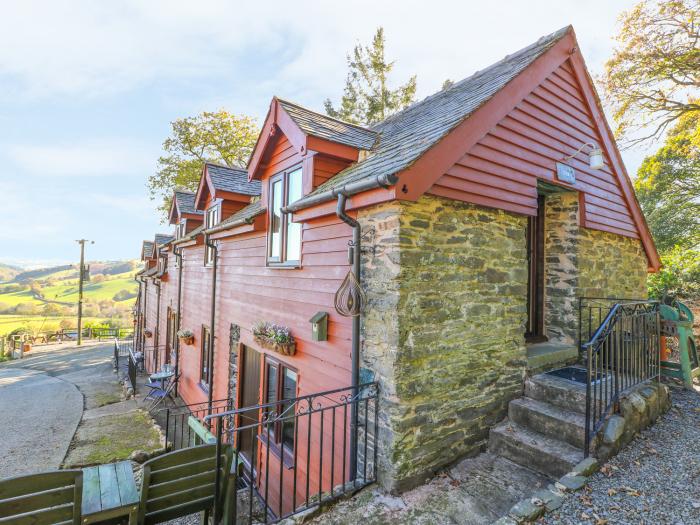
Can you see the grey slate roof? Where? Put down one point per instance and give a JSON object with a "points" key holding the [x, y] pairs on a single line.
{"points": [[406, 135], [328, 128], [234, 180], [148, 248], [162, 238], [185, 202], [241, 216], [151, 272]]}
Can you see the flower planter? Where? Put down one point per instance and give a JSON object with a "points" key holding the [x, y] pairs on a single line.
{"points": [[280, 348], [187, 340], [148, 334]]}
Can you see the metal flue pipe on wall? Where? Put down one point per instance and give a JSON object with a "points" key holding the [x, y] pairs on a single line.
{"points": [[212, 245], [156, 336], [178, 257], [355, 353]]}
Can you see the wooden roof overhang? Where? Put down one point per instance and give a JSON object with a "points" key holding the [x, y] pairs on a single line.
{"points": [[418, 177], [279, 122]]}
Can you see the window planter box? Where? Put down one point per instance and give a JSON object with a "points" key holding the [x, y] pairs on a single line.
{"points": [[280, 348], [189, 340]]}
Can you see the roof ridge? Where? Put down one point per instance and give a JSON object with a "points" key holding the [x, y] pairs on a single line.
{"points": [[217, 165], [564, 30], [341, 121]]}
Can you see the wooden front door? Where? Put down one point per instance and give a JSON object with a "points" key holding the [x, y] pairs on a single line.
{"points": [[535, 289], [249, 384]]}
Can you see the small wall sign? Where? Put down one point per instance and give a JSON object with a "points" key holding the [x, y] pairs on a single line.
{"points": [[566, 173]]}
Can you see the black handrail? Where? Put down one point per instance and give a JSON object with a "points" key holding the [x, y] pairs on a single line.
{"points": [[622, 353]]}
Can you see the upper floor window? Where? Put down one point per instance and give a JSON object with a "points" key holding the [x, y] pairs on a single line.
{"points": [[162, 263], [212, 218], [181, 228], [284, 244]]}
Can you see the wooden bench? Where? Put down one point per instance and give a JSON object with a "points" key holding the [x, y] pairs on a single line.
{"points": [[183, 482], [42, 499]]}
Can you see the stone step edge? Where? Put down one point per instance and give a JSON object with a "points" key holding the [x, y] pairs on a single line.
{"points": [[558, 450], [554, 412], [550, 499], [553, 383]]}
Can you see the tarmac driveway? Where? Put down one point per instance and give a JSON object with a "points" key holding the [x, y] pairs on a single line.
{"points": [[38, 415]]}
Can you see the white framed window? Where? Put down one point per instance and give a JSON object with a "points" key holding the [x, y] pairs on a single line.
{"points": [[284, 236], [212, 218], [181, 228]]}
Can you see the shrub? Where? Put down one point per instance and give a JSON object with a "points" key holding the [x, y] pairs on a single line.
{"points": [[123, 295], [679, 275]]}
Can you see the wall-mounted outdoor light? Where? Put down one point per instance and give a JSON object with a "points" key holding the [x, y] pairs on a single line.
{"points": [[319, 326], [595, 157]]}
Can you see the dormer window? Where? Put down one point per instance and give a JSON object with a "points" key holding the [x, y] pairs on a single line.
{"points": [[284, 241], [162, 264], [211, 219]]}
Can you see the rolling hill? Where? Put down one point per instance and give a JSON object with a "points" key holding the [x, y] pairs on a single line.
{"points": [[39, 299]]}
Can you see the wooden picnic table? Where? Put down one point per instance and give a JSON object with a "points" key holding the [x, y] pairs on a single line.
{"points": [[109, 491]]}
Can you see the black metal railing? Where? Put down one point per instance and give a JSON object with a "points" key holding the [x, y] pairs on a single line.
{"points": [[154, 357], [294, 455], [122, 347], [623, 352], [132, 370], [179, 422], [592, 311]]}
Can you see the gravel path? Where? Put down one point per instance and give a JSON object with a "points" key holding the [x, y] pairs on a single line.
{"points": [[654, 480]]}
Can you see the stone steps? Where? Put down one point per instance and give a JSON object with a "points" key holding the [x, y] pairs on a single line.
{"points": [[556, 391], [531, 449], [548, 419]]}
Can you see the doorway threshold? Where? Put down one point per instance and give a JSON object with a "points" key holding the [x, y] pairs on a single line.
{"points": [[545, 355]]}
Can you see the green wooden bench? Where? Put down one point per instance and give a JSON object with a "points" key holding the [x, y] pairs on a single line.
{"points": [[183, 482], [42, 499]]}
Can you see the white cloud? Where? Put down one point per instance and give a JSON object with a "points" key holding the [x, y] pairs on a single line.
{"points": [[88, 158], [93, 48]]}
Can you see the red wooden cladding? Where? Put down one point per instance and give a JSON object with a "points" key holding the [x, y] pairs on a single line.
{"points": [[552, 122]]}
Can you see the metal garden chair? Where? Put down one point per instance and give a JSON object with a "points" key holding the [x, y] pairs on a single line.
{"points": [[42, 499], [183, 482]]}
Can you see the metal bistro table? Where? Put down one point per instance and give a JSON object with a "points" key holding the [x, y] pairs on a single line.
{"points": [[109, 491]]}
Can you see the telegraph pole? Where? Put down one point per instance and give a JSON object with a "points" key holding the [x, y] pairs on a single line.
{"points": [[81, 277]]}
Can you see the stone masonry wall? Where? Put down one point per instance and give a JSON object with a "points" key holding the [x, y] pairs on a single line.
{"points": [[580, 262], [443, 329]]}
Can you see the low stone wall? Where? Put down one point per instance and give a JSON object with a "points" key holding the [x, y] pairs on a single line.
{"points": [[639, 408]]}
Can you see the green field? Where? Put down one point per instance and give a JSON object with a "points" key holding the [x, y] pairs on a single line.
{"points": [[37, 323], [22, 309], [67, 291]]}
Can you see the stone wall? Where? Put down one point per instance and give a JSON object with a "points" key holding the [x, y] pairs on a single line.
{"points": [[580, 262], [443, 329]]}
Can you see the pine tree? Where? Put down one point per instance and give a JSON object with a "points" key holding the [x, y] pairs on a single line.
{"points": [[367, 97]]}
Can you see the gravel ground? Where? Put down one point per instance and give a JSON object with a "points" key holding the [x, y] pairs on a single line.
{"points": [[654, 480]]}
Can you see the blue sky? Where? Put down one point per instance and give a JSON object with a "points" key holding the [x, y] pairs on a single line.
{"points": [[88, 89]]}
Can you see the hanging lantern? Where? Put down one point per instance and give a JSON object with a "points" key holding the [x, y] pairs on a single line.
{"points": [[350, 299]]}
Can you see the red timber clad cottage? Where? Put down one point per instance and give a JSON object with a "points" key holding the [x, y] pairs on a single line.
{"points": [[473, 221]]}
